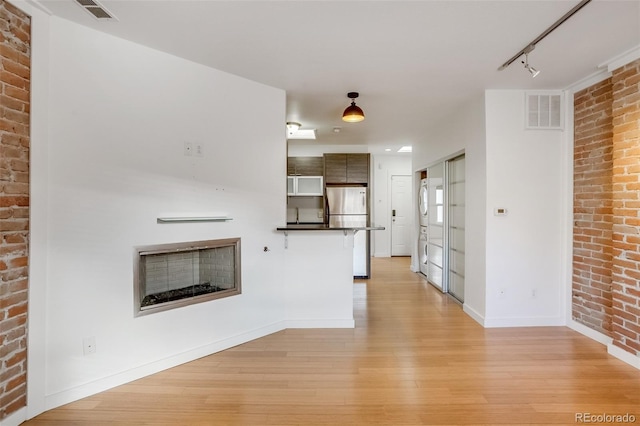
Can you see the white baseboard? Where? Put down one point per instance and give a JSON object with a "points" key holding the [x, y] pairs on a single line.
{"points": [[590, 333], [524, 322], [622, 355], [16, 418], [613, 350], [473, 314], [321, 323], [101, 385]]}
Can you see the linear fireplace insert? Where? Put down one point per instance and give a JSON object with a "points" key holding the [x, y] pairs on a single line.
{"points": [[168, 276]]}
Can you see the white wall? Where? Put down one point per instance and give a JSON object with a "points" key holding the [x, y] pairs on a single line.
{"points": [[383, 167], [109, 126], [525, 175], [464, 131], [514, 263]]}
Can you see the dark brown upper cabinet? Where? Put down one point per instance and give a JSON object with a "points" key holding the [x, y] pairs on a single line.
{"points": [[305, 166], [346, 168]]}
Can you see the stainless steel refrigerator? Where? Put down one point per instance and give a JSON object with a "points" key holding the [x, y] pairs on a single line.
{"points": [[348, 208]]}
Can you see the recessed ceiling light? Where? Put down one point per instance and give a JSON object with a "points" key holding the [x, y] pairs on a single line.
{"points": [[292, 128], [387, 149], [405, 149]]}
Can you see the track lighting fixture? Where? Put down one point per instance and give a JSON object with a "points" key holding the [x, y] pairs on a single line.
{"points": [[545, 33], [534, 72], [353, 113]]}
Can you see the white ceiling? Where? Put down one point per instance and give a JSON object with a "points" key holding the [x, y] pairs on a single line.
{"points": [[411, 61]]}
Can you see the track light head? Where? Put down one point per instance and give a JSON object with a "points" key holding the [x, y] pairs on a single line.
{"points": [[534, 72]]}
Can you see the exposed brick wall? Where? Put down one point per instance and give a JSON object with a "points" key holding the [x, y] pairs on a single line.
{"points": [[606, 266], [626, 207], [15, 64], [592, 207]]}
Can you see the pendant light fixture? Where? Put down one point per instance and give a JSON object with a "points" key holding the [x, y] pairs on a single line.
{"points": [[353, 113]]}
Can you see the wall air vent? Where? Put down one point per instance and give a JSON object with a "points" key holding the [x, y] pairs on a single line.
{"points": [[544, 110], [95, 9]]}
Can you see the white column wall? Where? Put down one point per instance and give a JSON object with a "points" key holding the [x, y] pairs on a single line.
{"points": [[109, 126], [319, 279], [525, 254]]}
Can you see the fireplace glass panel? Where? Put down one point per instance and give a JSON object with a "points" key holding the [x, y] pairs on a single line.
{"points": [[176, 275]]}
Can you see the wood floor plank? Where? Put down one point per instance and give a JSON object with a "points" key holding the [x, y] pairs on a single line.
{"points": [[413, 358]]}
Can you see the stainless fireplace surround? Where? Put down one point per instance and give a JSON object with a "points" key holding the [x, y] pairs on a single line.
{"points": [[168, 276]]}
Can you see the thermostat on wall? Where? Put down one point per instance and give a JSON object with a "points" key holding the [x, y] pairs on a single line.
{"points": [[499, 211]]}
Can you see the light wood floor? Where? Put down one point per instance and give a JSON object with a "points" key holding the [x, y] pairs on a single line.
{"points": [[413, 358]]}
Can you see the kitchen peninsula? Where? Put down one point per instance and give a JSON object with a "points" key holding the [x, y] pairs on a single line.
{"points": [[326, 238], [332, 189], [319, 275]]}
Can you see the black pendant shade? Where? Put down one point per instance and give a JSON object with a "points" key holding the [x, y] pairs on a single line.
{"points": [[353, 113]]}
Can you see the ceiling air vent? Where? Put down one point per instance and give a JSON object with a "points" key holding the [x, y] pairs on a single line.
{"points": [[95, 9], [544, 110]]}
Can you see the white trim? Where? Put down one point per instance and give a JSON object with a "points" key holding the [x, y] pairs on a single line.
{"points": [[590, 332], [321, 323], [500, 322], [589, 81], [567, 245], [79, 392], [38, 214], [24, 6], [622, 59], [622, 355], [473, 314], [16, 418]]}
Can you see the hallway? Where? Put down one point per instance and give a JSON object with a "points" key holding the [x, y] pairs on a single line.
{"points": [[413, 358]]}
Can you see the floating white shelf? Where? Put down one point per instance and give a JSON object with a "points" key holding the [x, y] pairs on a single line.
{"points": [[194, 219]]}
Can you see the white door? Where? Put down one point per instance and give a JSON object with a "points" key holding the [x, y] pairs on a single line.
{"points": [[400, 215]]}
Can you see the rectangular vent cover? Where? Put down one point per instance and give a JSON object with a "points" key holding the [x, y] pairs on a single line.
{"points": [[95, 9], [544, 110]]}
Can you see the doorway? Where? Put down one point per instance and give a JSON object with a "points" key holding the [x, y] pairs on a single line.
{"points": [[445, 231], [401, 223]]}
